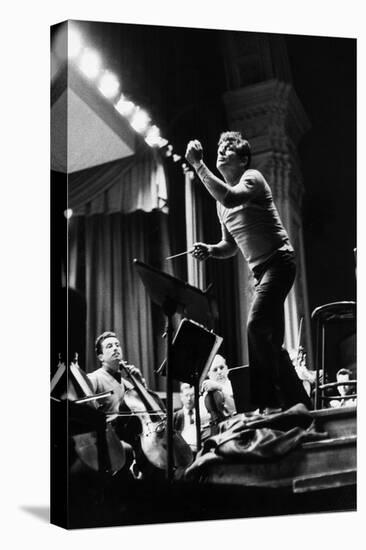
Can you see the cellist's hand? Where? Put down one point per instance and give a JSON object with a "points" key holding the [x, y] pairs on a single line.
{"points": [[135, 371], [210, 385]]}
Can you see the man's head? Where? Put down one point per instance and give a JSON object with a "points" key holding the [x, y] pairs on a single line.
{"points": [[187, 396], [108, 350], [233, 154], [344, 375], [218, 371]]}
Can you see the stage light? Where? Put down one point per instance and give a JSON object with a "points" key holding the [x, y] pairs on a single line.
{"points": [[74, 42], [125, 107], [153, 136], [176, 158], [140, 121], [68, 213], [109, 85], [169, 151], [162, 142], [90, 63]]}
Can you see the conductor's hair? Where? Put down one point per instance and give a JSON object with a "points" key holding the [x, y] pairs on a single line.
{"points": [[240, 144], [99, 341]]}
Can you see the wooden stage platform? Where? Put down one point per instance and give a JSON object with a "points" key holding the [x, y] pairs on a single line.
{"points": [[325, 464]]}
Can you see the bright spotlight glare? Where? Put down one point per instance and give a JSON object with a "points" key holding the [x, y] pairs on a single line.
{"points": [[162, 142], [74, 43], [109, 85], [90, 63], [140, 121], [153, 136], [125, 107], [68, 213]]}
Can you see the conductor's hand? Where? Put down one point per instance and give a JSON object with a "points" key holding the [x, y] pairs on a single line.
{"points": [[201, 251], [194, 152]]}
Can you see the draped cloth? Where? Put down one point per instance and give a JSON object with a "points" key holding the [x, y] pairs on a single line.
{"points": [[258, 439], [119, 214], [125, 186]]}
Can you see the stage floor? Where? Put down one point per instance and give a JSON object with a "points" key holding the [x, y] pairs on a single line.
{"points": [[313, 478]]}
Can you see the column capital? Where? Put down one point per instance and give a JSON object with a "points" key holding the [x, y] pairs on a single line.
{"points": [[269, 113], [271, 116]]}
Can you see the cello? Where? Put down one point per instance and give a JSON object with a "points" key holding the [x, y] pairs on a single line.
{"points": [[151, 412], [215, 405]]}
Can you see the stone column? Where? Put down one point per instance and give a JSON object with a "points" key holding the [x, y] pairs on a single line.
{"points": [[196, 271]]}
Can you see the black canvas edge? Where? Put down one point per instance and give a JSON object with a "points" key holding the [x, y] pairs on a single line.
{"points": [[59, 477]]}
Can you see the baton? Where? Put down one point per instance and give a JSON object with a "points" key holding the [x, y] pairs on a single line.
{"points": [[180, 254]]}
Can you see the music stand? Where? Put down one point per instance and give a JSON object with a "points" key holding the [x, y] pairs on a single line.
{"points": [[193, 350], [174, 296]]}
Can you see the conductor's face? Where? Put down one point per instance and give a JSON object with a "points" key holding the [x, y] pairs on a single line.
{"points": [[228, 159], [111, 353]]}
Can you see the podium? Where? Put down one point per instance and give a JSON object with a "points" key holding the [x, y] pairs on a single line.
{"points": [[175, 296]]}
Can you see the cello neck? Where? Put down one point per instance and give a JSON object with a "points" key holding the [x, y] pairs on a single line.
{"points": [[150, 403]]}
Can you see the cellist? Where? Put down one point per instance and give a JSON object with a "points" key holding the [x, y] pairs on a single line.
{"points": [[131, 399], [108, 377]]}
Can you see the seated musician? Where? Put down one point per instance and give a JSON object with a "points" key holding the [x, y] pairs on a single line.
{"points": [[184, 419], [134, 426], [345, 390], [307, 376], [108, 377], [217, 380]]}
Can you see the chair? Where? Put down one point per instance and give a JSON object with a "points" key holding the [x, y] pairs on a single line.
{"points": [[321, 316]]}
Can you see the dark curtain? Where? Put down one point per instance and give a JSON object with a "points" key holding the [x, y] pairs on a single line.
{"points": [[123, 218], [101, 253]]}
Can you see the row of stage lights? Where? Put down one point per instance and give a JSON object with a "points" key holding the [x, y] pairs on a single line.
{"points": [[90, 64]]}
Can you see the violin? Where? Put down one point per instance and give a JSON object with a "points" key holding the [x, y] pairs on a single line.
{"points": [[95, 442], [151, 412]]}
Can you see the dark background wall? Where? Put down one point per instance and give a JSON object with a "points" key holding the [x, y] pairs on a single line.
{"points": [[324, 76]]}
